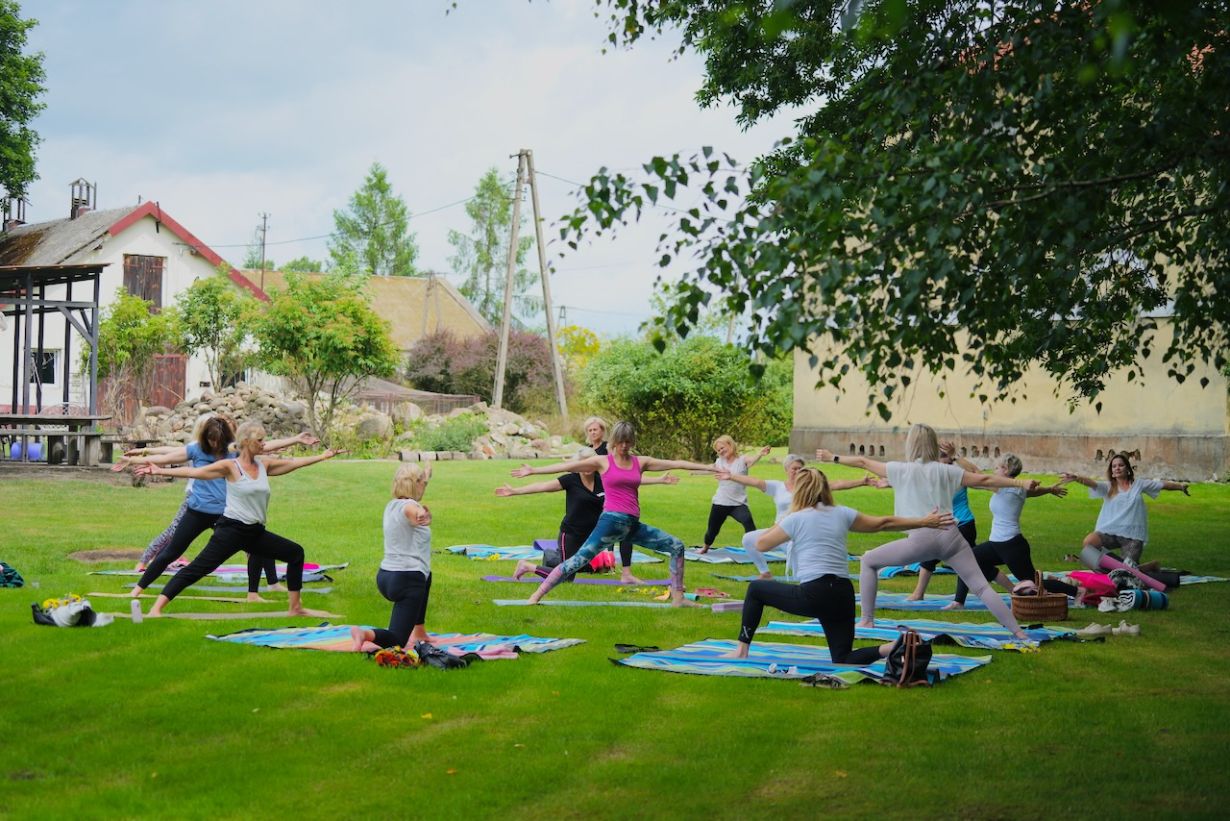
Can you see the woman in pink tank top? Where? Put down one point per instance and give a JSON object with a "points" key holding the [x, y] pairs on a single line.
{"points": [[621, 512]]}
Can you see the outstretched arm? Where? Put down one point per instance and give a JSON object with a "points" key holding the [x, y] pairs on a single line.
{"points": [[664, 479], [748, 481], [870, 480], [765, 451], [577, 466], [1183, 486], [878, 468], [214, 470], [280, 467], [988, 480], [525, 490], [650, 463], [950, 448], [1054, 490], [1065, 478], [164, 456], [874, 524], [305, 438]]}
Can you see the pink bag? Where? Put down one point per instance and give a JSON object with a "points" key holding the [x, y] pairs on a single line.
{"points": [[603, 562], [1097, 585]]}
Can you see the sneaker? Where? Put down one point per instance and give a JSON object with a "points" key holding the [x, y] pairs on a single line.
{"points": [[1125, 629], [1094, 630], [1107, 605]]}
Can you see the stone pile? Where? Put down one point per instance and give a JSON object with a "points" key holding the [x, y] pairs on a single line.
{"points": [[509, 436], [281, 417]]}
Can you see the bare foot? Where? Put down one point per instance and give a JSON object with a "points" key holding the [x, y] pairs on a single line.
{"points": [[276, 588], [523, 567], [680, 600], [140, 568], [866, 623], [419, 634], [953, 605], [628, 578], [704, 549], [154, 613], [136, 592], [256, 597], [915, 597], [358, 636], [739, 652]]}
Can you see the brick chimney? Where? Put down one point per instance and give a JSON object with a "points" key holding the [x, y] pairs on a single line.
{"points": [[84, 198], [12, 213]]}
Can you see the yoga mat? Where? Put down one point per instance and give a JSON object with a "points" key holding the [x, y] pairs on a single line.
{"points": [[561, 603], [884, 573], [990, 636], [730, 555], [337, 638], [580, 579], [146, 596], [786, 661], [238, 570], [311, 614], [214, 588], [1183, 580], [529, 554], [897, 601]]}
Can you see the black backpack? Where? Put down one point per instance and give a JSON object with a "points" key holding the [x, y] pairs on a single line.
{"points": [[906, 664]]}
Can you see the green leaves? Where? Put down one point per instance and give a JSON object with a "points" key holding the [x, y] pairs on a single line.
{"points": [[215, 319], [21, 87], [372, 236]]}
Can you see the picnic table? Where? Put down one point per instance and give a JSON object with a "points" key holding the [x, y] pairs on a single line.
{"points": [[74, 439]]}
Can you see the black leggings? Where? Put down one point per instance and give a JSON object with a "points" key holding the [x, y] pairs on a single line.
{"points": [[625, 553], [229, 538], [1015, 554], [192, 524], [409, 591], [969, 530], [718, 514], [829, 598], [255, 565]]}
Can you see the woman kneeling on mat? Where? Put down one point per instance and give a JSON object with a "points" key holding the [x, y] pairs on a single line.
{"points": [[782, 494], [621, 510], [404, 577], [583, 497], [817, 529], [921, 485], [1123, 522], [242, 524]]}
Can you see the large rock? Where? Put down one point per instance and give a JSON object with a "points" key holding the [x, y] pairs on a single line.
{"points": [[406, 412], [375, 425]]}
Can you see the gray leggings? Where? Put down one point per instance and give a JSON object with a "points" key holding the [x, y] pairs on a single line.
{"points": [[947, 545]]}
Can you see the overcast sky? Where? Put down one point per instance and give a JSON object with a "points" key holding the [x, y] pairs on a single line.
{"points": [[223, 110]]}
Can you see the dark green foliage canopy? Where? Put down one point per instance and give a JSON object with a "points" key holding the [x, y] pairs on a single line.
{"points": [[1047, 178], [21, 86]]}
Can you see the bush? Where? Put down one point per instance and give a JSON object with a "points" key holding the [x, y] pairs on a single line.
{"points": [[443, 363], [685, 397], [457, 433]]}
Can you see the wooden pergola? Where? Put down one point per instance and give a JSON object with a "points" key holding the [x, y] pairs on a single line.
{"points": [[23, 295]]}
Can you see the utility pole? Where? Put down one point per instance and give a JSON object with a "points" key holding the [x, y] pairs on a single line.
{"points": [[264, 232], [546, 289], [501, 362]]}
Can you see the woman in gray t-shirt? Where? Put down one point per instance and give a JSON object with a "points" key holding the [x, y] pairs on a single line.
{"points": [[404, 577]]}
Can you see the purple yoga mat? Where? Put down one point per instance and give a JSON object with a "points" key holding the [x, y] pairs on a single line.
{"points": [[530, 577]]}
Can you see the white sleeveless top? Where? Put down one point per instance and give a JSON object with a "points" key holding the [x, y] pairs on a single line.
{"points": [[247, 500], [406, 546]]}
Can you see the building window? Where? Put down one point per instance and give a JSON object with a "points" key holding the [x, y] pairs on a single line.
{"points": [[46, 365], [143, 278]]}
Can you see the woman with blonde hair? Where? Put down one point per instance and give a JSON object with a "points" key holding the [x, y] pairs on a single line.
{"points": [[817, 529], [583, 496], [621, 509], [921, 485], [242, 523], [730, 498], [782, 494], [404, 577]]}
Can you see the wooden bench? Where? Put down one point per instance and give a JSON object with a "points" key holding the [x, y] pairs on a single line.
{"points": [[77, 447]]}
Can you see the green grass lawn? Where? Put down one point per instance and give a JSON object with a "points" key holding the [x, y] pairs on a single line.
{"points": [[154, 720]]}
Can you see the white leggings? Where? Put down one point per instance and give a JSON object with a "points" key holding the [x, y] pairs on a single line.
{"points": [[947, 545], [749, 544]]}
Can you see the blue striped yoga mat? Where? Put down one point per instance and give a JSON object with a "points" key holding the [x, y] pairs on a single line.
{"points": [[897, 601], [786, 661], [889, 572], [981, 636], [490, 553], [563, 603], [582, 579], [730, 555], [337, 638], [237, 591]]}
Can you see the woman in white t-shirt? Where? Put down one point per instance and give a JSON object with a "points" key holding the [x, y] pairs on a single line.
{"points": [[730, 499], [782, 494], [404, 577], [921, 485], [1123, 522], [817, 529], [1007, 545]]}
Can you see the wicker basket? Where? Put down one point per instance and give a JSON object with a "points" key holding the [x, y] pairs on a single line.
{"points": [[1042, 607]]}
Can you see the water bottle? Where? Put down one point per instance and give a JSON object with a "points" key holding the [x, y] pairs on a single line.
{"points": [[136, 612]]}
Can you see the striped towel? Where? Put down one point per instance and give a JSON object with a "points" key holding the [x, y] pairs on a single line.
{"points": [[337, 638], [990, 636], [731, 555], [523, 552]]}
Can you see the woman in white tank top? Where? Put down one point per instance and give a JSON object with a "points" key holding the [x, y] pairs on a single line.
{"points": [[242, 524]]}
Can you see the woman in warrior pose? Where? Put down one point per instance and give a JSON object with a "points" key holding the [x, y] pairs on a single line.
{"points": [[730, 499], [621, 511], [595, 428], [583, 496], [204, 499], [1123, 522], [921, 485], [404, 577], [782, 494], [817, 529], [1007, 545], [242, 523]]}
